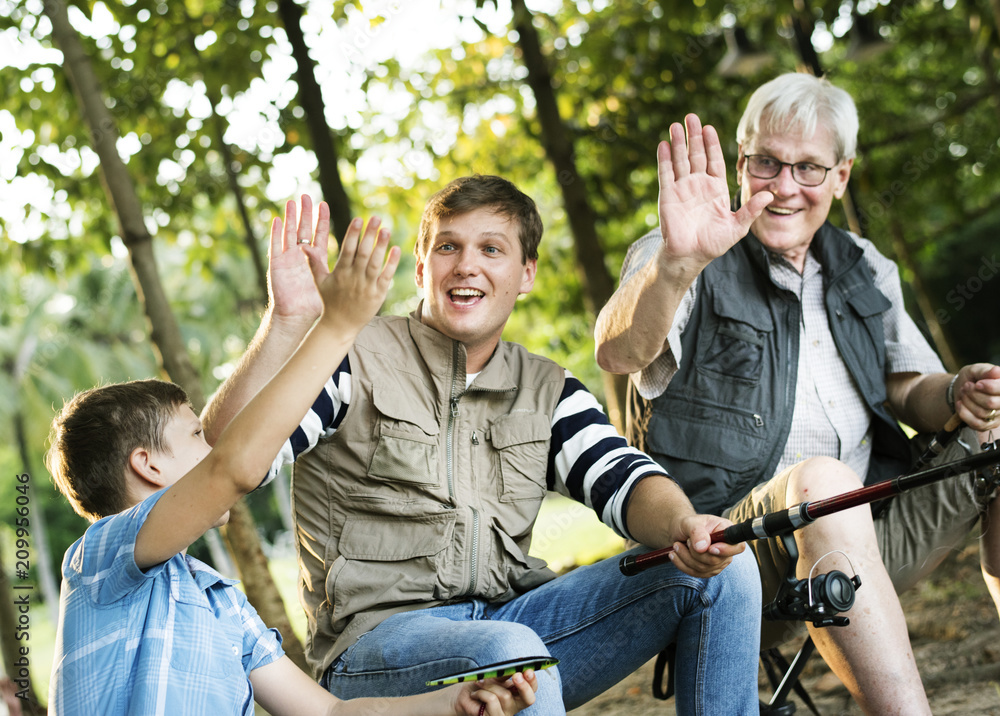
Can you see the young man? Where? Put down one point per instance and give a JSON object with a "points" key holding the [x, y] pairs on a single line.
{"points": [[145, 629], [421, 469], [777, 357]]}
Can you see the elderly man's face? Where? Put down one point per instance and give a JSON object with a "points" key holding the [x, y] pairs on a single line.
{"points": [[788, 224]]}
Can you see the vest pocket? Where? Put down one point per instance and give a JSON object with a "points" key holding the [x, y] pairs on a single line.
{"points": [[737, 347], [522, 447], [406, 448], [389, 561]]}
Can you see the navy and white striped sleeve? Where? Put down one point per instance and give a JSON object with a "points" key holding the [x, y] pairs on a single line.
{"points": [[590, 461], [321, 421]]}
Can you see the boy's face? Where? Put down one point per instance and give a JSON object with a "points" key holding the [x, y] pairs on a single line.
{"points": [[184, 447], [472, 273]]}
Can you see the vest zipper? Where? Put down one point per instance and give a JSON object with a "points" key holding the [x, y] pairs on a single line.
{"points": [[450, 462], [474, 568]]}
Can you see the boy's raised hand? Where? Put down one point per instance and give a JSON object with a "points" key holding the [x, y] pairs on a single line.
{"points": [[356, 288]]}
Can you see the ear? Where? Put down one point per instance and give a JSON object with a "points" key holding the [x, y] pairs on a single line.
{"points": [[144, 467], [418, 276], [528, 276], [841, 173], [741, 159]]}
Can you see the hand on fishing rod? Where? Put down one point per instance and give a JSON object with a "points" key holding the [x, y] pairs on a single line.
{"points": [[695, 553], [976, 392]]}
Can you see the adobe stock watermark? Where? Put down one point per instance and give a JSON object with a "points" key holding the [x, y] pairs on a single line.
{"points": [[965, 291]]}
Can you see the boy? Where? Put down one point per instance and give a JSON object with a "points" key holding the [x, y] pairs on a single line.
{"points": [[145, 629]]}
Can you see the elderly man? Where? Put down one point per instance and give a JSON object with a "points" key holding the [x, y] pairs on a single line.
{"points": [[775, 358]]}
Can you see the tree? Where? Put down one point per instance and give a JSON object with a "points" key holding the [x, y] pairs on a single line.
{"points": [[165, 332]]}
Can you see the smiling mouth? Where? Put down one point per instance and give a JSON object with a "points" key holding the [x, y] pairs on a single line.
{"points": [[781, 211], [465, 295]]}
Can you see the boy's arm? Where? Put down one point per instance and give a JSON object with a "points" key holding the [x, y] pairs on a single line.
{"points": [[294, 304], [352, 294], [284, 690]]}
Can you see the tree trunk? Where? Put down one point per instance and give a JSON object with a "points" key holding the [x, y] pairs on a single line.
{"points": [[164, 330], [311, 100], [556, 137]]}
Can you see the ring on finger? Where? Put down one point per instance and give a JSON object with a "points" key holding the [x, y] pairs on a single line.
{"points": [[992, 415]]}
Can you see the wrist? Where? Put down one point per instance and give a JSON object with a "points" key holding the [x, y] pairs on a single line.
{"points": [[949, 394]]}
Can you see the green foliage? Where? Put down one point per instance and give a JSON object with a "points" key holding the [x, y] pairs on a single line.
{"points": [[180, 77]]}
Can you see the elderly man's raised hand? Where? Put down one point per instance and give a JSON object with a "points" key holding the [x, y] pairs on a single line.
{"points": [[696, 219]]}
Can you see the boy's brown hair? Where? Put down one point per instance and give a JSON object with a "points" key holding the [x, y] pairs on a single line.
{"points": [[484, 191], [94, 434]]}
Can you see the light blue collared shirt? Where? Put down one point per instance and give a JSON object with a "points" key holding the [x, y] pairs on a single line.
{"points": [[178, 638]]}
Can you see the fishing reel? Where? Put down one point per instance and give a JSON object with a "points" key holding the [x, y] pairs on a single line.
{"points": [[820, 599], [988, 477]]}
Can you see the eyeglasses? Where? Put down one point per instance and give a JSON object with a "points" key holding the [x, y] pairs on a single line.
{"points": [[762, 166]]}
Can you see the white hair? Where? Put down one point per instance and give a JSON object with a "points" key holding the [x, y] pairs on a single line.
{"points": [[798, 102]]}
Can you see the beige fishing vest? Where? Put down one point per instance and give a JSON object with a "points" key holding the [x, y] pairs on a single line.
{"points": [[427, 493]]}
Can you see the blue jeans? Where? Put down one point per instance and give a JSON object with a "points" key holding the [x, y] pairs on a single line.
{"points": [[601, 625]]}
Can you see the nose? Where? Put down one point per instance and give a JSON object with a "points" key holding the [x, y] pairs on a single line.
{"points": [[466, 263], [784, 183]]}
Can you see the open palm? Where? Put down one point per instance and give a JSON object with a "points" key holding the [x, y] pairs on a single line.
{"points": [[696, 220]]}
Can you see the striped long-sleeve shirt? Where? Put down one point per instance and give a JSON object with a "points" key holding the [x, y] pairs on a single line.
{"points": [[589, 461]]}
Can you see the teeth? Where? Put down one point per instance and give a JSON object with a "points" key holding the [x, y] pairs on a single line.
{"points": [[780, 210], [466, 292]]}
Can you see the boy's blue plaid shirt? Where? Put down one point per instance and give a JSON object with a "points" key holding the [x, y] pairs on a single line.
{"points": [[177, 639]]}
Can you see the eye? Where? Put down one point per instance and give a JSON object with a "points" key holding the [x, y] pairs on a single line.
{"points": [[491, 250], [766, 162], [446, 247]]}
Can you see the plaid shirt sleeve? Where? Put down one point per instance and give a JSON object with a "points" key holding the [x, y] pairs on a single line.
{"points": [[907, 350]]}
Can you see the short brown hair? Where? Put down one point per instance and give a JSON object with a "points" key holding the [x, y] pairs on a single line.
{"points": [[94, 434], [484, 191]]}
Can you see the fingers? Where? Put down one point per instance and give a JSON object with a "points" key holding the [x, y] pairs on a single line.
{"points": [[501, 698], [978, 399], [366, 251], [321, 239], [664, 165], [698, 160], [715, 160], [303, 234], [288, 237], [679, 152]]}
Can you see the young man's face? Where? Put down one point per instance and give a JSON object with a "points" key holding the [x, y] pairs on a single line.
{"points": [[472, 274], [184, 447], [788, 224]]}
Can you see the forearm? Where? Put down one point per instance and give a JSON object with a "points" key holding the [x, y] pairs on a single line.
{"points": [[275, 341], [632, 328], [255, 435], [654, 512], [918, 400], [284, 690]]}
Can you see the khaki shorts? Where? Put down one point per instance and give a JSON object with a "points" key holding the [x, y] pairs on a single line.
{"points": [[915, 531]]}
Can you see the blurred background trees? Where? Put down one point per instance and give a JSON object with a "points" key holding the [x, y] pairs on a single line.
{"points": [[221, 110]]}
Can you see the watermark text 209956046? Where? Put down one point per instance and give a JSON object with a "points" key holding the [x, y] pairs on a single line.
{"points": [[22, 587]]}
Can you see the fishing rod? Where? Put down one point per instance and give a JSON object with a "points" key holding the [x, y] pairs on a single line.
{"points": [[785, 521]]}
